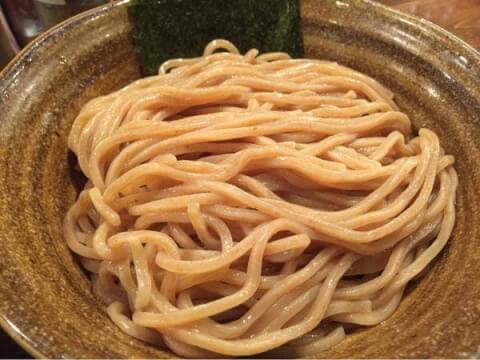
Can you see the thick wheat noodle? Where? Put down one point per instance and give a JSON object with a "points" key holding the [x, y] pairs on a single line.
{"points": [[239, 204]]}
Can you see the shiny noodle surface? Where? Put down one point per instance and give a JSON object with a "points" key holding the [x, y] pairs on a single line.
{"points": [[238, 204]]}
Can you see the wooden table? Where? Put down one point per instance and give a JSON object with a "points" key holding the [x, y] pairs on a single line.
{"points": [[461, 17]]}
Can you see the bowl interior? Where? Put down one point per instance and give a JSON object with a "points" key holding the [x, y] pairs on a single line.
{"points": [[45, 298]]}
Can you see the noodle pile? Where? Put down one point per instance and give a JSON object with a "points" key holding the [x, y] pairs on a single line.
{"points": [[236, 203]]}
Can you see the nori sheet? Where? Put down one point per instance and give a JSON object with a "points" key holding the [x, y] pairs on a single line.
{"points": [[166, 29]]}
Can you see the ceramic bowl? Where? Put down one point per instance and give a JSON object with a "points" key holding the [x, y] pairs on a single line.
{"points": [[46, 303]]}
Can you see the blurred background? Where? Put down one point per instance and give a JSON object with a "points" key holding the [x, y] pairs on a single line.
{"points": [[22, 20]]}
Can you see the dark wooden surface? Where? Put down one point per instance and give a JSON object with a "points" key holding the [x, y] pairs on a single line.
{"points": [[461, 17], [9, 349]]}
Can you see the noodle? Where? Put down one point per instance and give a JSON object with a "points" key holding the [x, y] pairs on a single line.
{"points": [[236, 203]]}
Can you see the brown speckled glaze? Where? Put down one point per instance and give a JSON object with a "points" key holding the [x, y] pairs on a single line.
{"points": [[45, 298]]}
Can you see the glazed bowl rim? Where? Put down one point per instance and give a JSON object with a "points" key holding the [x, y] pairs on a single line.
{"points": [[14, 68]]}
